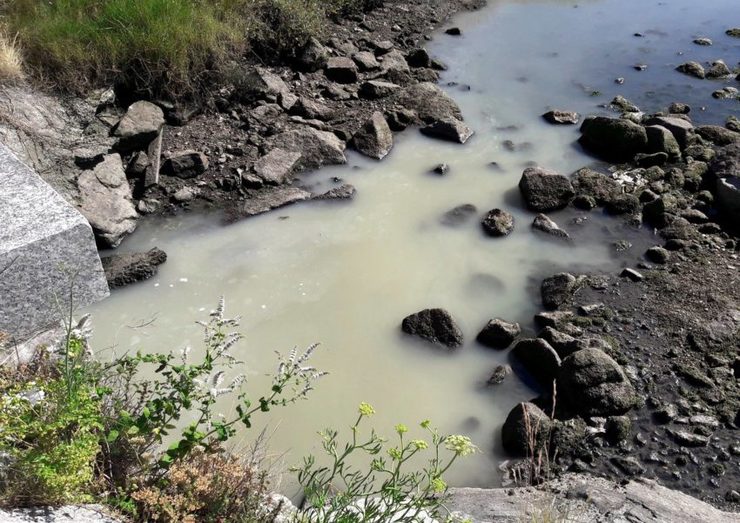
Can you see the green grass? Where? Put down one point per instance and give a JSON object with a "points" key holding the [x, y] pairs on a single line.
{"points": [[161, 45]]}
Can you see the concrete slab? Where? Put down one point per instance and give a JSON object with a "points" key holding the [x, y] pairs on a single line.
{"points": [[47, 253]]}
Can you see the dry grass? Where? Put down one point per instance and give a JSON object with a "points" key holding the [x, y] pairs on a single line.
{"points": [[11, 61]]}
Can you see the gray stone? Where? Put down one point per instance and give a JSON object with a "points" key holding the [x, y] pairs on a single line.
{"points": [[562, 117], [545, 190], [450, 129], [543, 223], [259, 83], [105, 200], [341, 69], [498, 223], [632, 274], [499, 374], [718, 135], [726, 93], [277, 166], [563, 344], [317, 148], [728, 197], [366, 61], [718, 69], [498, 333], [64, 514], [526, 430], [312, 110], [429, 102], [185, 164], [139, 126], [154, 154], [435, 326], [273, 199], [662, 140], [682, 130], [186, 194], [726, 163], [593, 384], [394, 66], [556, 290], [343, 192], [132, 267], [313, 56], [47, 248], [658, 255], [601, 187], [688, 439], [374, 138], [582, 498], [623, 105], [374, 89]]}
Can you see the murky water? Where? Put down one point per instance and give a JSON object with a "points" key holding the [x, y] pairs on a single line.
{"points": [[346, 273]]}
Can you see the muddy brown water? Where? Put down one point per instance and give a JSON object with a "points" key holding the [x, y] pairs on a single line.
{"points": [[345, 273]]}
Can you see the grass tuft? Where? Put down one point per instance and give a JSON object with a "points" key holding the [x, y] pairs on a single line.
{"points": [[11, 63]]}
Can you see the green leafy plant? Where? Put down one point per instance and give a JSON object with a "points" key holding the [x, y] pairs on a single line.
{"points": [[384, 489]]}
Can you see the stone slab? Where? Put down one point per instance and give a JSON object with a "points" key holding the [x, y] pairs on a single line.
{"points": [[47, 253]]}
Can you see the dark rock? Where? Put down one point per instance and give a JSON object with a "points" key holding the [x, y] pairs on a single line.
{"points": [[593, 384], [666, 414], [628, 465], [343, 192], [450, 129], [613, 138], [185, 164], [717, 134], [498, 223], [553, 319], [658, 255], [313, 57], [374, 138], [366, 61], [546, 225], [435, 326], [544, 190], [539, 358], [562, 117], [499, 374], [526, 430], [661, 140], [623, 204], [139, 126], [419, 58], [137, 165], [726, 163], [374, 89], [650, 160], [727, 93], [124, 269], [735, 31], [563, 344], [679, 108], [632, 275], [618, 428], [601, 187], [260, 84], [453, 31], [498, 334], [341, 69], [277, 166], [692, 69], [719, 69], [459, 215], [702, 41], [400, 119], [441, 169], [623, 105], [557, 289], [658, 212], [584, 202]]}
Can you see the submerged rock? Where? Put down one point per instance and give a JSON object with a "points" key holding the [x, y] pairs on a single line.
{"points": [[124, 269], [459, 215], [499, 374], [543, 223], [498, 223], [562, 117], [692, 68], [544, 190], [435, 326]]}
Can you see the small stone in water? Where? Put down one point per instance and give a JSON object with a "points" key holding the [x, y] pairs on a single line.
{"points": [[640, 67]]}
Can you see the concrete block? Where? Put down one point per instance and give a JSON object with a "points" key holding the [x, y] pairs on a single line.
{"points": [[48, 255]]}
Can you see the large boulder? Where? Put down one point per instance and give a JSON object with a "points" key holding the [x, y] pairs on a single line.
{"points": [[544, 190], [498, 223], [450, 129], [429, 102], [139, 126], [726, 162], [681, 128], [601, 187], [613, 138], [661, 140], [593, 384], [105, 200], [277, 166], [435, 326], [526, 430], [539, 358], [557, 289], [718, 135], [132, 267], [374, 138], [499, 334], [185, 164], [317, 148]]}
